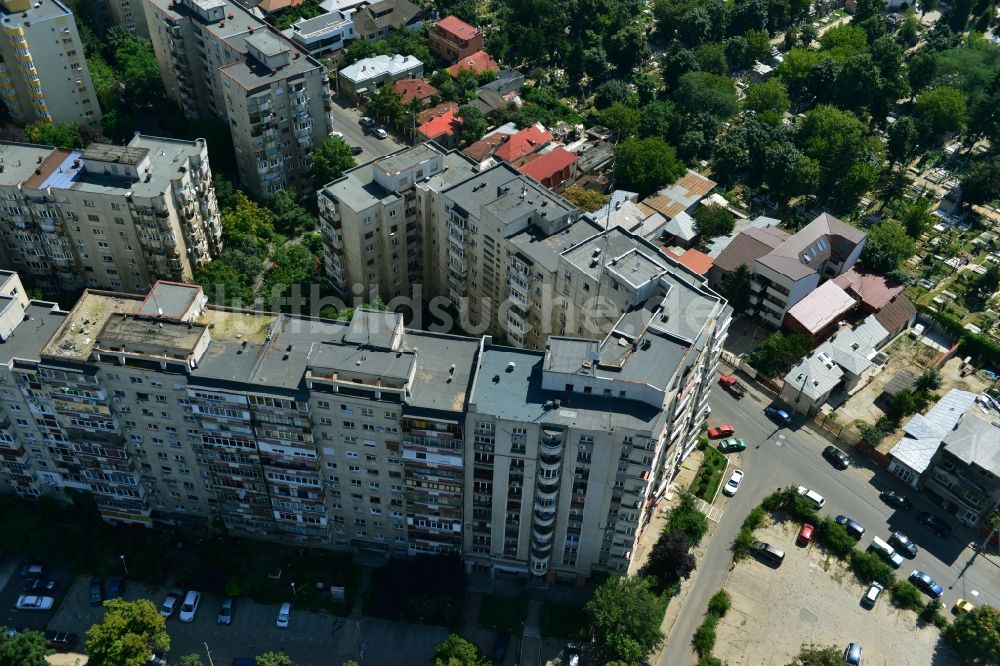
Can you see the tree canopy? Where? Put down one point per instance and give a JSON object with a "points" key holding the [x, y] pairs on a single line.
{"points": [[888, 245], [128, 634], [813, 655], [626, 617], [456, 651], [274, 659], [712, 220], [645, 165], [976, 635], [23, 648], [330, 160]]}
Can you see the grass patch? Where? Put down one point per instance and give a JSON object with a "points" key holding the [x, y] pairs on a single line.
{"points": [[500, 612], [565, 621], [706, 481]]}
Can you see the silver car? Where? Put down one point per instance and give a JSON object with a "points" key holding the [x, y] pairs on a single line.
{"points": [[226, 611]]}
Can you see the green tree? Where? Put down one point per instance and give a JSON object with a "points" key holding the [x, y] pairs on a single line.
{"points": [[245, 218], [736, 287], [190, 660], [686, 517], [887, 247], [622, 119], [628, 48], [105, 82], [456, 651], [288, 217], [939, 111], [584, 199], [921, 69], [981, 181], [644, 165], [929, 380], [224, 284], [670, 559], [128, 634], [473, 124], [844, 150], [23, 648], [64, 135], [330, 160], [985, 285], [976, 635], [902, 140], [386, 105], [274, 659], [813, 655], [701, 92], [626, 618], [778, 352], [767, 97], [658, 119], [916, 217], [712, 220], [611, 91], [139, 73]]}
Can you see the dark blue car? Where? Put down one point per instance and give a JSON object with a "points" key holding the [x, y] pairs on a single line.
{"points": [[779, 415], [116, 585], [926, 583]]}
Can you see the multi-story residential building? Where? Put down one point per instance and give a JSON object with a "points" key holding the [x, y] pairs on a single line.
{"points": [[216, 58], [359, 435], [373, 221], [364, 77], [323, 34], [43, 71], [130, 14], [787, 268], [108, 216], [452, 39]]}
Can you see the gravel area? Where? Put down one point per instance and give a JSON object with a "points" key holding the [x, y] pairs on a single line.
{"points": [[812, 598]]}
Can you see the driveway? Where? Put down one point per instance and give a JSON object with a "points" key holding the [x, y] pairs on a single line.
{"points": [[776, 458], [345, 120]]}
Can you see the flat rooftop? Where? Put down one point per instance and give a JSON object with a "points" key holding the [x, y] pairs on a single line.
{"points": [[445, 368], [499, 190], [604, 247], [26, 342], [544, 249], [37, 11], [408, 159], [108, 152]]}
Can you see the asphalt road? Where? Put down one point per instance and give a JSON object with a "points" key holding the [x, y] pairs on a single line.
{"points": [[780, 457], [345, 120]]}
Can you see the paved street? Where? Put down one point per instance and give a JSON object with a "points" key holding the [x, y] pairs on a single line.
{"points": [[346, 120], [777, 458]]}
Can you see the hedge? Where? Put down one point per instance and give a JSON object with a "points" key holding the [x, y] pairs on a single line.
{"points": [[704, 636], [978, 346]]}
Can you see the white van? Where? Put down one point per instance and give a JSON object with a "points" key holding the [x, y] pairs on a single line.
{"points": [[812, 496], [190, 606], [284, 615], [887, 552]]}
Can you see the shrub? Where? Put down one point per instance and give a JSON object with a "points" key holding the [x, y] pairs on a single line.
{"points": [[754, 519], [906, 595], [704, 636], [869, 566], [688, 519], [804, 510], [743, 544], [719, 603], [932, 614], [834, 537], [778, 500], [710, 661]]}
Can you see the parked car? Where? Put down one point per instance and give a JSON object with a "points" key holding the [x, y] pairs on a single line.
{"points": [[769, 553], [734, 483], [805, 534], [934, 523], [380, 133], [733, 385], [904, 546], [96, 590], [190, 606], [40, 586], [812, 496], [853, 654], [116, 587], [964, 606], [34, 602], [572, 653], [365, 121], [170, 604], [732, 445], [926, 583], [853, 528], [61, 640], [356, 150], [226, 611], [501, 645], [779, 415], [895, 500], [837, 458], [33, 570], [284, 615], [886, 552], [339, 135], [718, 432], [872, 595]]}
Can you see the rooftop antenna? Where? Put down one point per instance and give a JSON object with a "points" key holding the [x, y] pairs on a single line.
{"points": [[607, 225]]}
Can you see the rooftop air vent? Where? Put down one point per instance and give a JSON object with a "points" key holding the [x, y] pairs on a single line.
{"points": [[510, 366]]}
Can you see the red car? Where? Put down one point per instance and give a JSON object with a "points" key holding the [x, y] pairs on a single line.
{"points": [[721, 431], [805, 535]]}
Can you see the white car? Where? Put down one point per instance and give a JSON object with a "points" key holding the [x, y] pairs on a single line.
{"points": [[284, 615], [190, 606], [169, 605], [734, 483], [380, 133], [339, 135], [32, 602], [811, 495]]}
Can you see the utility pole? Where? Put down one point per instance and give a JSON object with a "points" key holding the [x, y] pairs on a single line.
{"points": [[209, 653]]}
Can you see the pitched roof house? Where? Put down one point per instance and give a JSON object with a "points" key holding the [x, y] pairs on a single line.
{"points": [[477, 63]]}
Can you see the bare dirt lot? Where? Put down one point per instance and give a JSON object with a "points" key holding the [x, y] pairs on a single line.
{"points": [[812, 598]]}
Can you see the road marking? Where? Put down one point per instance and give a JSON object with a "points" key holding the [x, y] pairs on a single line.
{"points": [[778, 442]]}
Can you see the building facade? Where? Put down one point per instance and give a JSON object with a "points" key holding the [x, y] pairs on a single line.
{"points": [[43, 71], [130, 14], [452, 39], [217, 59], [360, 435], [114, 217]]}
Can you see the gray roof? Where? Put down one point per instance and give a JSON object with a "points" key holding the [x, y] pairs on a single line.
{"points": [[610, 245], [813, 377], [916, 453], [799, 256], [852, 348], [975, 442], [445, 367], [252, 75], [942, 417], [544, 250], [267, 43], [499, 189], [748, 246], [682, 226], [518, 396], [34, 13], [374, 328], [715, 246], [169, 299], [41, 321], [380, 65]]}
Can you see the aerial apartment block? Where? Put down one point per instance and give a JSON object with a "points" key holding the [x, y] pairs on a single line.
{"points": [[355, 435], [130, 14], [218, 59], [43, 71], [116, 217]]}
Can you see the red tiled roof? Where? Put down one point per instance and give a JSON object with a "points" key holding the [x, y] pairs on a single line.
{"points": [[435, 111], [523, 143], [548, 164], [873, 290], [698, 262], [275, 5], [457, 28], [443, 124], [483, 148], [411, 89], [477, 63]]}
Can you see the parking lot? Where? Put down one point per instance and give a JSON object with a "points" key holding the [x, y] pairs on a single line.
{"points": [[812, 598], [312, 639], [13, 587]]}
